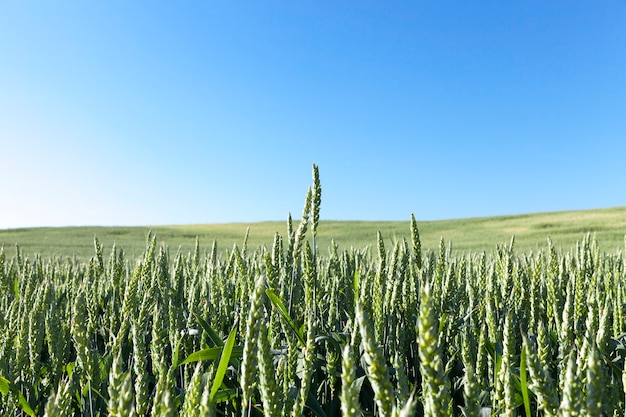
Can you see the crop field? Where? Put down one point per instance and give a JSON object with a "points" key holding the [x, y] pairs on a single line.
{"points": [[470, 235], [300, 326]]}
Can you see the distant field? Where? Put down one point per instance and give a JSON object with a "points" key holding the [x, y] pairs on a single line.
{"points": [[466, 235]]}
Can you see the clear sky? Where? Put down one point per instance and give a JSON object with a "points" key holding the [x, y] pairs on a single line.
{"points": [[155, 113]]}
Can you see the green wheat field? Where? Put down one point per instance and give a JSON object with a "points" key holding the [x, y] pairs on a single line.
{"points": [[531, 232], [516, 316]]}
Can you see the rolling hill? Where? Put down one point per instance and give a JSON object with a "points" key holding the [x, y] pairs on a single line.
{"points": [[531, 232]]}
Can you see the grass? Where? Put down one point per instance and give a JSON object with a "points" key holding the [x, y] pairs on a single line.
{"points": [[466, 235]]}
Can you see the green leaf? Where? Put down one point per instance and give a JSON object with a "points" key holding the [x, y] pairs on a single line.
{"points": [[276, 302], [69, 368], [213, 336], [314, 405], [333, 341], [223, 365], [442, 321], [4, 385], [523, 383], [7, 386], [498, 362], [210, 354], [24, 405], [225, 395], [358, 383]]}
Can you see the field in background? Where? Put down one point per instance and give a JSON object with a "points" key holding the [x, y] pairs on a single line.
{"points": [[531, 232]]}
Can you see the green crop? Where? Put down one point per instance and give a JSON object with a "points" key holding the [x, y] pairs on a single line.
{"points": [[291, 329]]}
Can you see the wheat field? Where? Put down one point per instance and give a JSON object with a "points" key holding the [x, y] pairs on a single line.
{"points": [[294, 328]]}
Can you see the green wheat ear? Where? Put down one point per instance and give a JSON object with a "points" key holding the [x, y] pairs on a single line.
{"points": [[350, 406], [541, 382], [435, 386], [250, 351], [417, 244], [317, 201], [377, 371]]}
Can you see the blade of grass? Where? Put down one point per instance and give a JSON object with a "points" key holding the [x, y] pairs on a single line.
{"points": [[523, 383], [223, 364], [211, 354], [276, 302], [213, 336], [4, 385], [225, 395]]}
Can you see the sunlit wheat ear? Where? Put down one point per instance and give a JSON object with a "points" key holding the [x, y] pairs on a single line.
{"points": [[82, 342], [60, 403], [206, 407], [269, 389], [121, 401], [541, 383], [604, 329], [316, 203], [594, 377], [471, 385], [350, 406], [250, 352], [435, 389], [164, 404], [595, 384], [129, 306], [572, 389], [126, 403], [483, 359], [307, 367], [140, 366], [36, 328], [193, 394], [303, 225], [417, 244], [56, 335], [405, 400], [506, 375], [377, 371]]}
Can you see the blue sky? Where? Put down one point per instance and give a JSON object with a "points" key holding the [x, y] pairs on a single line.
{"points": [[154, 113]]}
